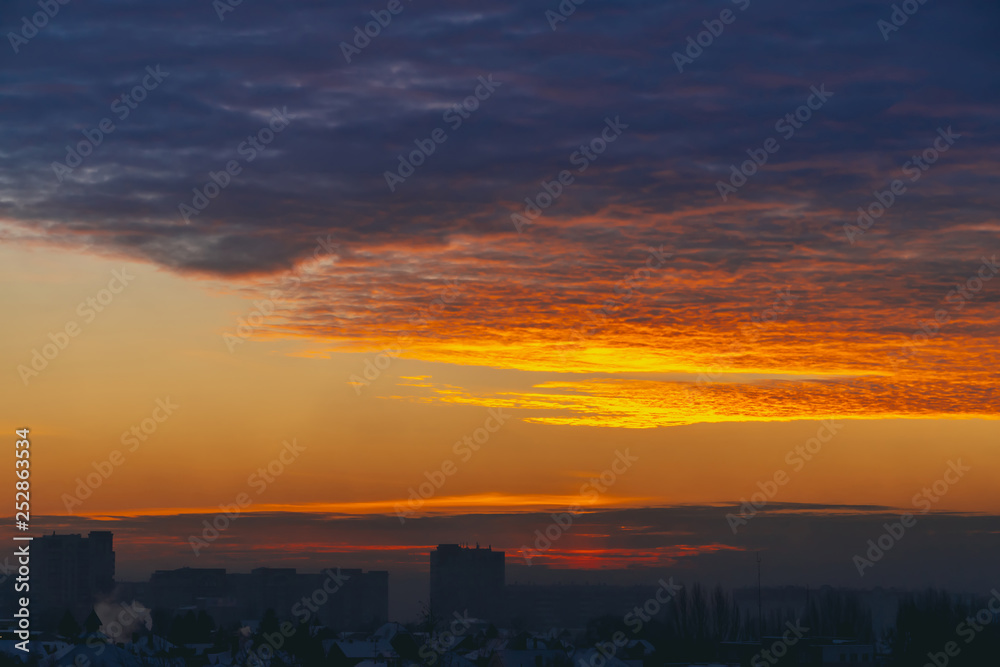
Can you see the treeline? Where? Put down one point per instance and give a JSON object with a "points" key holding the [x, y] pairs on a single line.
{"points": [[936, 627], [696, 622]]}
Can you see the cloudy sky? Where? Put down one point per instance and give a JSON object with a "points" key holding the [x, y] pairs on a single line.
{"points": [[227, 209]]}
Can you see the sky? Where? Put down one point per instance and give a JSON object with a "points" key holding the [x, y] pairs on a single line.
{"points": [[443, 276]]}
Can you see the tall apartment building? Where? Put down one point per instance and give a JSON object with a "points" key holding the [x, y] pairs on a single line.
{"points": [[69, 572], [465, 579]]}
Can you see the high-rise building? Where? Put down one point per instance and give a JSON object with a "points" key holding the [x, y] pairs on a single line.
{"points": [[466, 580], [361, 601], [71, 571], [101, 551]]}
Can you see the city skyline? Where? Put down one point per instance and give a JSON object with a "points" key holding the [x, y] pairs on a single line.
{"points": [[623, 291], [77, 576]]}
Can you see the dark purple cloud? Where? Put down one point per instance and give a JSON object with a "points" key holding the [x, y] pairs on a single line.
{"points": [[324, 174]]}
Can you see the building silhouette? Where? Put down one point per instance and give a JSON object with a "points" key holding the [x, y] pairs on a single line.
{"points": [[184, 587], [361, 603], [343, 599], [468, 580], [69, 572]]}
